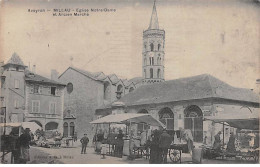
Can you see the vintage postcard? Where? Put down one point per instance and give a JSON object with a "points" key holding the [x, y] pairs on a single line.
{"points": [[129, 81]]}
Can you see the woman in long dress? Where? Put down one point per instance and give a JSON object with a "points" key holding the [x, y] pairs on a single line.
{"points": [[154, 148]]}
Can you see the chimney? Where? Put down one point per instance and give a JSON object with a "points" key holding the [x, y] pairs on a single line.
{"points": [[34, 69], [54, 75]]}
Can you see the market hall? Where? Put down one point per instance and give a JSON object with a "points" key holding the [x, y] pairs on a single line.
{"points": [[186, 103]]}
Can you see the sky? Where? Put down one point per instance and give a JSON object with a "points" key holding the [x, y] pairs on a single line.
{"points": [[217, 37]]}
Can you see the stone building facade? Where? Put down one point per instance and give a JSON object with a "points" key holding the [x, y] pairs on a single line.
{"points": [[28, 96], [86, 91]]}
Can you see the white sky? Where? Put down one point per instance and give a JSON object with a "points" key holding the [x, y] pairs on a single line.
{"points": [[218, 37]]}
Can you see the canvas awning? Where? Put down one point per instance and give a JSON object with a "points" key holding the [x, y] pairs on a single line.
{"points": [[126, 118], [32, 125], [242, 117]]}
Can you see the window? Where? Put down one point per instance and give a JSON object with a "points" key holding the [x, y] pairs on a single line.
{"points": [[53, 90], [144, 73], [158, 73], [35, 106], [151, 73], [151, 46], [65, 129], [36, 88], [16, 84], [167, 118], [52, 108], [106, 90], [2, 101], [69, 88], [17, 68], [72, 128], [151, 61], [16, 103], [159, 60], [159, 46], [2, 82], [119, 88]]}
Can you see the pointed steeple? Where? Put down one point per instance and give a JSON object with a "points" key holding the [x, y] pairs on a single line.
{"points": [[154, 24]]}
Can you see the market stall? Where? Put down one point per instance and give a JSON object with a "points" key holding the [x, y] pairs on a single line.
{"points": [[128, 120], [244, 122]]}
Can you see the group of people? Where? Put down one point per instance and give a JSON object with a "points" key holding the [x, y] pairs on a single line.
{"points": [[21, 148], [230, 145], [159, 144], [101, 140]]}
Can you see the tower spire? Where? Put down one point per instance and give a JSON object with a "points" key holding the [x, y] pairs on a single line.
{"points": [[154, 24]]}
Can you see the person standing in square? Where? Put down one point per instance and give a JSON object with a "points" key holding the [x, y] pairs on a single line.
{"points": [[84, 141]]}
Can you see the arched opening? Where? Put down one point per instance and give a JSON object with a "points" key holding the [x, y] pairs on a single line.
{"points": [[151, 73], [131, 89], [119, 91], [106, 90], [159, 46], [166, 116], [36, 122], [143, 111], [65, 129], [119, 88], [144, 73], [159, 60], [69, 87], [151, 46], [194, 121], [51, 126], [158, 73], [72, 129]]}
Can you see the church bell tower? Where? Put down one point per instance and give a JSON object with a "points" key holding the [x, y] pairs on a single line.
{"points": [[153, 51]]}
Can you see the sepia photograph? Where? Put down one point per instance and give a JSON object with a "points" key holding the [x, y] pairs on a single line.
{"points": [[129, 81]]}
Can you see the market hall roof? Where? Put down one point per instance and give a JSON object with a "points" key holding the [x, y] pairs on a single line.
{"points": [[190, 88]]}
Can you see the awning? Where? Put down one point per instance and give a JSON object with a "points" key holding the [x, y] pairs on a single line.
{"points": [[32, 125], [238, 117], [126, 118], [251, 123]]}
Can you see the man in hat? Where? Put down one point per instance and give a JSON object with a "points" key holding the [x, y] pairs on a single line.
{"points": [[164, 144], [84, 141], [24, 143]]}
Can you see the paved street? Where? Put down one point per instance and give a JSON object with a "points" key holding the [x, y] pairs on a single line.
{"points": [[40, 155]]}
